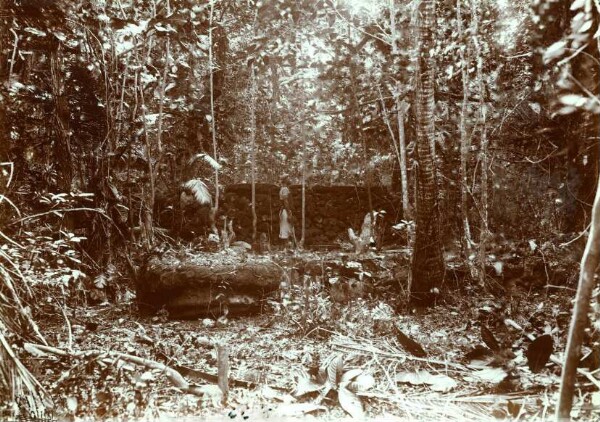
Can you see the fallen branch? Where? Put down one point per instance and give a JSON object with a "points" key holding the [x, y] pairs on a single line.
{"points": [[401, 356], [175, 377]]}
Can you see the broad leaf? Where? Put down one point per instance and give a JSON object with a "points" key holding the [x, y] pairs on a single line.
{"points": [[493, 375], [409, 344], [351, 403], [555, 51], [415, 377], [539, 352], [350, 375], [438, 382], [441, 382], [363, 382], [488, 338]]}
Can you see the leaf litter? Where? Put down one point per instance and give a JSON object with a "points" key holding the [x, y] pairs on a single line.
{"points": [[340, 368]]}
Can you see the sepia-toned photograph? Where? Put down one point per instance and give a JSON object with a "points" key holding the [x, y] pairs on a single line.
{"points": [[299, 210]]}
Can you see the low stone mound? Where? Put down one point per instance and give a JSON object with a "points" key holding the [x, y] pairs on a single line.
{"points": [[206, 285]]}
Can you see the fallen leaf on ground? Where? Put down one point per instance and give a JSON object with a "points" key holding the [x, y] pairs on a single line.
{"points": [[539, 352], [350, 403], [439, 382], [494, 375]]}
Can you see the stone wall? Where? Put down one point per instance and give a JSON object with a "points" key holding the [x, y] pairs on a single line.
{"points": [[330, 210]]}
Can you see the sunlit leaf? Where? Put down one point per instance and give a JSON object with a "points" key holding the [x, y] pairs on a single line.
{"points": [[585, 26], [72, 404], [595, 399], [577, 4], [414, 377], [351, 403], [573, 100], [363, 382], [350, 375], [147, 376], [441, 382], [555, 51], [35, 31], [493, 375], [566, 110], [535, 107]]}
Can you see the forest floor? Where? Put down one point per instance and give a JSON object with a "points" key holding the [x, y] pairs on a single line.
{"points": [[469, 358]]}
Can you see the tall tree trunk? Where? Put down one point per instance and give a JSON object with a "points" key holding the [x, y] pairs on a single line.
{"points": [[253, 146], [407, 212], [467, 241], [212, 114], [357, 123], [163, 85], [589, 266], [147, 207], [427, 263], [386, 119], [483, 149], [303, 235]]}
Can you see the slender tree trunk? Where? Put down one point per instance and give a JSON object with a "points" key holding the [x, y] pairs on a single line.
{"points": [[161, 100], [120, 117], [357, 126], [589, 266], [427, 263], [253, 146], [303, 235], [400, 114], [400, 150], [147, 220], [386, 119], [368, 179], [483, 150], [212, 106], [467, 241], [407, 212]]}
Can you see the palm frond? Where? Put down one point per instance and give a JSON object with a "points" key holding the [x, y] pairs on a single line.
{"points": [[15, 379], [208, 159], [199, 191]]}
